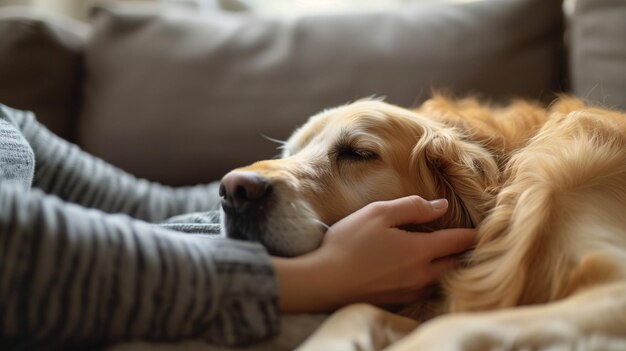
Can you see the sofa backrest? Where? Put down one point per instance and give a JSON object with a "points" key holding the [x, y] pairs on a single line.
{"points": [[598, 52], [41, 66], [182, 97]]}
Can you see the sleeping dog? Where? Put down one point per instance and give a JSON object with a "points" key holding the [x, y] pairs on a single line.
{"points": [[545, 187]]}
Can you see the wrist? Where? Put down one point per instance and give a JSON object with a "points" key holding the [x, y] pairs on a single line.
{"points": [[309, 283]]}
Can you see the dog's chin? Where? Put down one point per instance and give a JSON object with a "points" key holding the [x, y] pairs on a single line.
{"points": [[248, 230], [286, 239], [243, 228]]}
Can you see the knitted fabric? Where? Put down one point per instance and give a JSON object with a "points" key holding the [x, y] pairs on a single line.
{"points": [[17, 161], [80, 264]]}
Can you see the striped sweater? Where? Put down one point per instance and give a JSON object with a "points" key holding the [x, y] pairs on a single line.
{"points": [[81, 264]]}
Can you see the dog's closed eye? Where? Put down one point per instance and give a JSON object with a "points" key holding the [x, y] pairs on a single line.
{"points": [[350, 153]]}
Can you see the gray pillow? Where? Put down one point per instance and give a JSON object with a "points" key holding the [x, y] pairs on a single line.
{"points": [[41, 66], [598, 52], [183, 97]]}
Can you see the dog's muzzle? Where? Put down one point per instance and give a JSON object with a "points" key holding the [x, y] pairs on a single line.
{"points": [[246, 198]]}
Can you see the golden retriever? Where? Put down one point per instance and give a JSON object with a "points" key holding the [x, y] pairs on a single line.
{"points": [[545, 187]]}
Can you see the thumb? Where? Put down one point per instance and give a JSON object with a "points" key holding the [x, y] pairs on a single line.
{"points": [[413, 210]]}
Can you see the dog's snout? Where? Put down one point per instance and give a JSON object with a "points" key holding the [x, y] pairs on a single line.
{"points": [[240, 188]]}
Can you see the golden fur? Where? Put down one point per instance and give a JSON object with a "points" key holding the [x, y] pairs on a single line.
{"points": [[546, 188]]}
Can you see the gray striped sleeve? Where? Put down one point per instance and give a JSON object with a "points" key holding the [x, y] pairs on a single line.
{"points": [[64, 170], [75, 276], [206, 223], [17, 162]]}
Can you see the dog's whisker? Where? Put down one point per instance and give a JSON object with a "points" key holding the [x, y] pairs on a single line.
{"points": [[326, 226], [298, 219], [281, 143], [315, 220]]}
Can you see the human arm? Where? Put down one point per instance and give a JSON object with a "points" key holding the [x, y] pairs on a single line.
{"points": [[64, 170], [366, 258], [71, 276]]}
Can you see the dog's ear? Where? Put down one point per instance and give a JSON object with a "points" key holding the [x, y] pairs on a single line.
{"points": [[458, 169]]}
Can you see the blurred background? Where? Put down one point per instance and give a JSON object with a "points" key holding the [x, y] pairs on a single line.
{"points": [[79, 8], [182, 91]]}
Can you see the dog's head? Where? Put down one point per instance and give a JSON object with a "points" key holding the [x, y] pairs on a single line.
{"points": [[344, 158]]}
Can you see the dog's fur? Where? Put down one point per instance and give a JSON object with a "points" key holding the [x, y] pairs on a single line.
{"points": [[545, 187]]}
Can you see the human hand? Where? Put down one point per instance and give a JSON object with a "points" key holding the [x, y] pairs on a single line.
{"points": [[366, 258]]}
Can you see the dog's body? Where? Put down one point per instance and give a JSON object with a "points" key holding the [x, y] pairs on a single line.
{"points": [[546, 188]]}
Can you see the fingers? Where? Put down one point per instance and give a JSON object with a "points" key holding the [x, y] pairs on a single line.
{"points": [[448, 242], [410, 209], [442, 265]]}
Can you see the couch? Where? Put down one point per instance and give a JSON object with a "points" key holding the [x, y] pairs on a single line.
{"points": [[181, 97]]}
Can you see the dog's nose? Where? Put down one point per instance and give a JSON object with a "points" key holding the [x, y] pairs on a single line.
{"points": [[240, 188]]}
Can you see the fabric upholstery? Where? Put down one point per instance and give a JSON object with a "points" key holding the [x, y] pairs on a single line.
{"points": [[202, 89], [41, 66], [598, 52], [91, 277]]}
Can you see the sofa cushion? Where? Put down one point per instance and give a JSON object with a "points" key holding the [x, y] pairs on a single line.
{"points": [[41, 66], [598, 52], [182, 97]]}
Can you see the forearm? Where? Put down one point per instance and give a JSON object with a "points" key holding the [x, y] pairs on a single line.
{"points": [[75, 276], [308, 285], [64, 170]]}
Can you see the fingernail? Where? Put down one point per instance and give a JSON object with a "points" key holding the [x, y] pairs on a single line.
{"points": [[439, 204]]}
